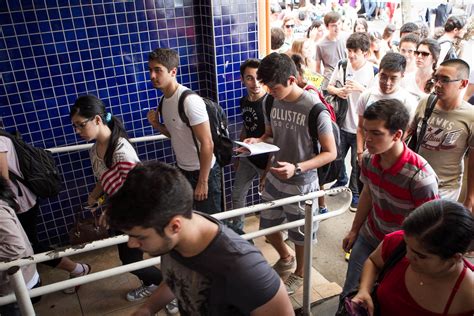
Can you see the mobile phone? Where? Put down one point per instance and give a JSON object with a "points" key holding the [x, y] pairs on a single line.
{"points": [[354, 309]]}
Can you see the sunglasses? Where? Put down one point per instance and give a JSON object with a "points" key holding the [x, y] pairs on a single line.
{"points": [[289, 26], [424, 54]]}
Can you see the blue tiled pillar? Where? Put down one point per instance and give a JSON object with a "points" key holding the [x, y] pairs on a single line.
{"points": [[51, 52]]}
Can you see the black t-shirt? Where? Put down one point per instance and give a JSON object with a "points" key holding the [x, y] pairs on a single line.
{"points": [[254, 125], [230, 277]]}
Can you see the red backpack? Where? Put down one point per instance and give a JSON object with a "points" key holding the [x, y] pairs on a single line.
{"points": [[323, 101]]}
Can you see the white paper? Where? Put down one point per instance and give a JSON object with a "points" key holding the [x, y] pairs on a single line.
{"points": [[257, 148]]}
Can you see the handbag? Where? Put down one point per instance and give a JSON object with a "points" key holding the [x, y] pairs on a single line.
{"points": [[346, 308], [416, 139], [87, 229]]}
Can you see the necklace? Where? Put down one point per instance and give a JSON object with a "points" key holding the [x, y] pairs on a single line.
{"points": [[421, 282]]}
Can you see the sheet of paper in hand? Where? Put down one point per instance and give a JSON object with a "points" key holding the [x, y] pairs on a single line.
{"points": [[256, 149]]}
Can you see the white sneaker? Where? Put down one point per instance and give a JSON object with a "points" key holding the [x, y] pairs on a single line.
{"points": [[172, 307], [293, 283], [86, 269], [141, 292]]}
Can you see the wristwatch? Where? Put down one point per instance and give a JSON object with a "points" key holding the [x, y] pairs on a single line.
{"points": [[297, 169]]}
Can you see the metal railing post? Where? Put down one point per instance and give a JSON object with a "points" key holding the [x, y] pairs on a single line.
{"points": [[308, 255], [21, 291]]}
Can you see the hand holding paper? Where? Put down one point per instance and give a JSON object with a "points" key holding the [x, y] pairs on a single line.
{"points": [[255, 149]]}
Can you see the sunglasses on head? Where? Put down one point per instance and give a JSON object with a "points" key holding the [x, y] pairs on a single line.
{"points": [[288, 26], [424, 54]]}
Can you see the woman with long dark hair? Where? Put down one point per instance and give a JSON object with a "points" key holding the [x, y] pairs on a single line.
{"points": [[427, 54], [432, 278], [112, 157]]}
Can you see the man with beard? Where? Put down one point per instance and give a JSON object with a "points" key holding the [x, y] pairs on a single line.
{"points": [[210, 269], [450, 131]]}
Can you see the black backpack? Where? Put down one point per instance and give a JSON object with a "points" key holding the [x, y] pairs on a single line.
{"points": [[340, 105], [223, 146], [329, 172], [451, 54], [40, 173]]}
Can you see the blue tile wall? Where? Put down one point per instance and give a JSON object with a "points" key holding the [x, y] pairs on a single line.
{"points": [[235, 40], [52, 51]]}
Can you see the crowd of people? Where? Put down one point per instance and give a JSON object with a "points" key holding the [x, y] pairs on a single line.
{"points": [[404, 195]]}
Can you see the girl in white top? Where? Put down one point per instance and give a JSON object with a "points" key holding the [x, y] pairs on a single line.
{"points": [[112, 158]]}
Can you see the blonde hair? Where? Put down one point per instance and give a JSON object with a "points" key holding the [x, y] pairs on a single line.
{"points": [[297, 46]]}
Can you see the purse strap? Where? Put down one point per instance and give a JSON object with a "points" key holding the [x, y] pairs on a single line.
{"points": [[430, 104], [393, 259]]}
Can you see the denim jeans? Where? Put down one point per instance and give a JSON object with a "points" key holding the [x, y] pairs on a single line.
{"points": [[244, 176], [369, 7], [348, 140], [212, 204], [360, 252]]}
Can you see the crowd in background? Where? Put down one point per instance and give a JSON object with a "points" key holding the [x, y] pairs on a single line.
{"points": [[329, 51]]}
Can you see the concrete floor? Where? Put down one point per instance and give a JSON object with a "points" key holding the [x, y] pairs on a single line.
{"points": [[328, 256]]}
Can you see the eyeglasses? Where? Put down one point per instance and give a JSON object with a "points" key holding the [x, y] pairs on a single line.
{"points": [[289, 26], [444, 80], [424, 54], [83, 124]]}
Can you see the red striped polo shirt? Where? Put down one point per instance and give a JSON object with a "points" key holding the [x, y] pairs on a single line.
{"points": [[395, 191]]}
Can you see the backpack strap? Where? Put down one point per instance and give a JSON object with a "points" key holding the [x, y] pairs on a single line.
{"points": [[314, 131], [430, 104], [393, 259], [184, 118], [268, 105], [446, 41], [160, 106], [376, 70], [181, 112], [14, 178], [343, 64]]}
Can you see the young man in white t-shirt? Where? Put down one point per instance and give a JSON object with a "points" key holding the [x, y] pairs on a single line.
{"points": [[358, 75], [197, 164], [391, 71]]}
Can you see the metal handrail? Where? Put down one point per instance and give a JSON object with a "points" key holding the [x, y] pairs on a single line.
{"points": [[65, 149], [149, 262]]}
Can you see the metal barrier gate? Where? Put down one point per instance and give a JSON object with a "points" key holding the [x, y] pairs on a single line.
{"points": [[22, 295]]}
